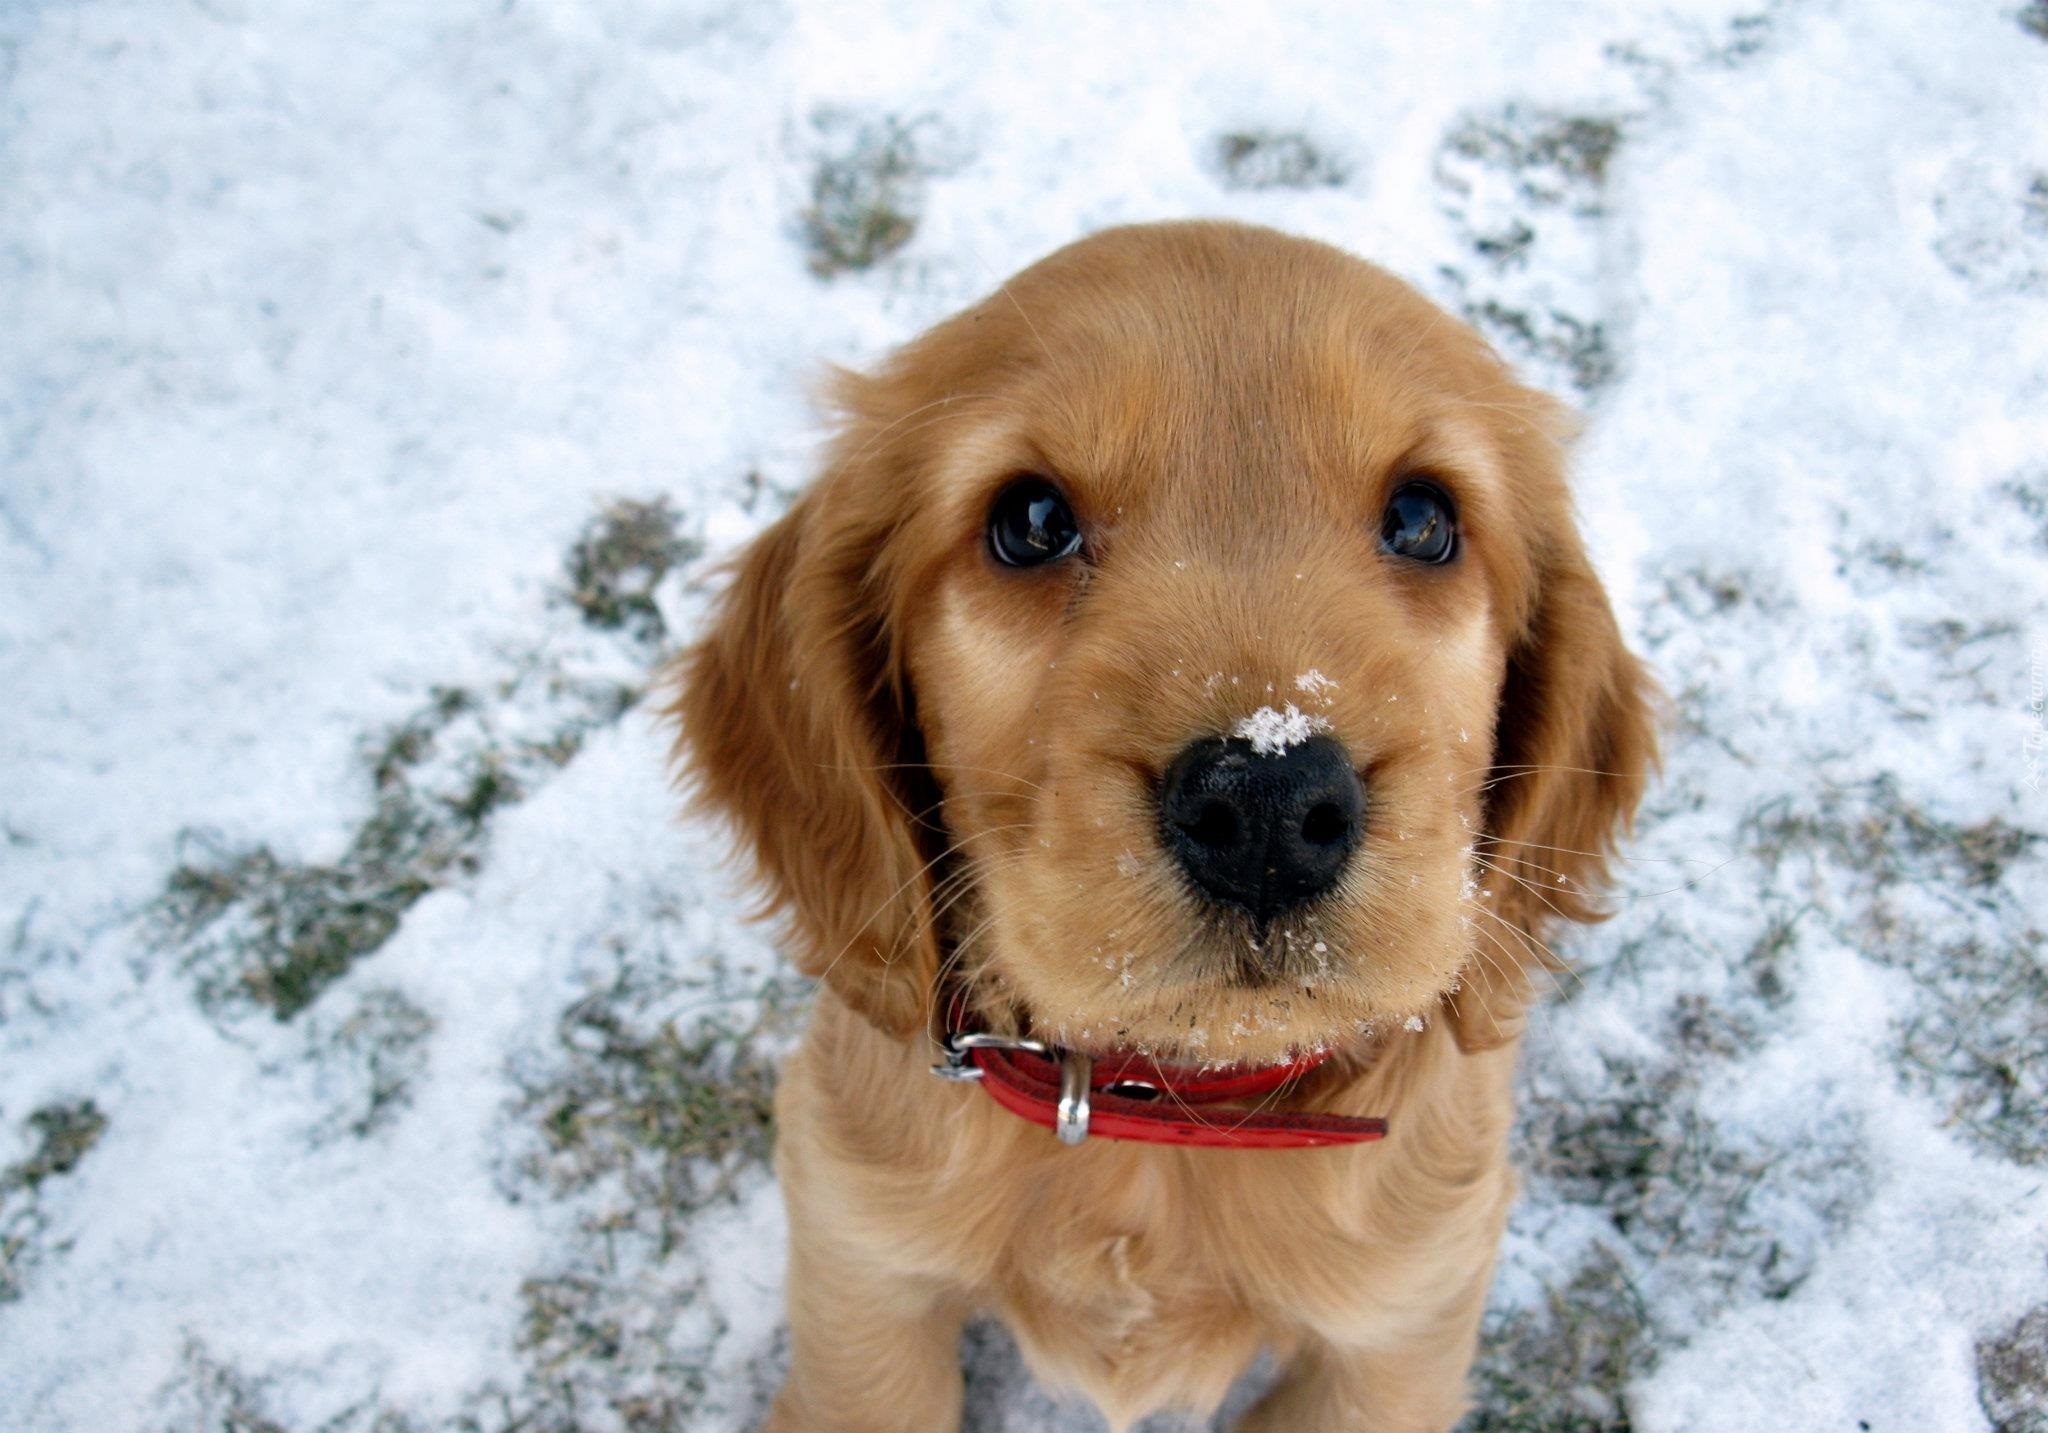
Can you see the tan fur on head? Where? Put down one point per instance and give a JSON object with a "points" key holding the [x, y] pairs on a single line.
{"points": [[934, 759]]}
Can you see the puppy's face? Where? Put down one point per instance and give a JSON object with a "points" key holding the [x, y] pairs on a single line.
{"points": [[1197, 568], [1210, 661]]}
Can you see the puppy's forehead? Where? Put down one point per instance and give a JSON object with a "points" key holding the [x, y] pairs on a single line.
{"points": [[1209, 364]]}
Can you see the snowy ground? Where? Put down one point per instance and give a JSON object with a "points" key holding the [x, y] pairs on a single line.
{"points": [[377, 382]]}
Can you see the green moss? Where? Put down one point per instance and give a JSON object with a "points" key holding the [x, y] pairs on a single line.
{"points": [[380, 1048], [2030, 496], [1269, 159], [219, 1399], [1563, 1368], [1581, 348], [619, 560], [64, 1134], [197, 894], [1507, 245], [562, 1321], [1545, 147], [561, 748], [412, 741], [865, 198], [1871, 828], [277, 933], [673, 1116], [1932, 896], [589, 1350], [299, 927], [489, 785], [1980, 1037], [1701, 1205], [2012, 1376], [641, 1124], [1765, 959], [1508, 177], [1747, 36]]}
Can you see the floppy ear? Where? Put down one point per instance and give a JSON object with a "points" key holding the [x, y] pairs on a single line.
{"points": [[795, 727], [1574, 742]]}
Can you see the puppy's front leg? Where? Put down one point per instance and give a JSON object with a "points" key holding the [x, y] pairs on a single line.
{"points": [[870, 1352], [1419, 1389]]}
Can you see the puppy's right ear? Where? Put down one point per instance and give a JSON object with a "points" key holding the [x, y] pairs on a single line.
{"points": [[794, 726]]}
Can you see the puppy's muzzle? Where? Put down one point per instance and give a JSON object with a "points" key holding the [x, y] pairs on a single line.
{"points": [[1263, 832]]}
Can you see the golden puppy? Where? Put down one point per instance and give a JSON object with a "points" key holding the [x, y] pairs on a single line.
{"points": [[1187, 658]]}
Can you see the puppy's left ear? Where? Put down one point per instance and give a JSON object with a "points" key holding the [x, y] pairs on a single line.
{"points": [[1574, 742]]}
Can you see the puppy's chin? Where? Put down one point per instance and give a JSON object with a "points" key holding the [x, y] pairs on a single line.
{"points": [[1227, 1011]]}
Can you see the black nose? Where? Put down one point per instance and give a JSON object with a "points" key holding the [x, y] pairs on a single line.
{"points": [[1262, 831]]}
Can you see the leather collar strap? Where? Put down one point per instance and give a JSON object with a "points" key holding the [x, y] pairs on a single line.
{"points": [[1133, 1097]]}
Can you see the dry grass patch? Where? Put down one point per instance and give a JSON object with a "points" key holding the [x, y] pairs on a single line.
{"points": [[63, 1135], [269, 931], [867, 192], [1275, 159]]}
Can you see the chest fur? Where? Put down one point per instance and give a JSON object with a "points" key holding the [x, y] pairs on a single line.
{"points": [[1148, 1277]]}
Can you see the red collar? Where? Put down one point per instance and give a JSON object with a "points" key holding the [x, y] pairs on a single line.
{"points": [[1134, 1097]]}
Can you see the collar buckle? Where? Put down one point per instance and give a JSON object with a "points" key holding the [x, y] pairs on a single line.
{"points": [[1070, 1119], [1070, 1116], [960, 1046]]}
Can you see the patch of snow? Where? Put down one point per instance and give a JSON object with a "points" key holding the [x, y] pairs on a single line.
{"points": [[1273, 730], [327, 331]]}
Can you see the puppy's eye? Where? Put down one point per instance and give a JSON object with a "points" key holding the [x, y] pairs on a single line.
{"points": [[1030, 523], [1419, 524]]}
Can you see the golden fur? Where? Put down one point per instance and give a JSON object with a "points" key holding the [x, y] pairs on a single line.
{"points": [[937, 761]]}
